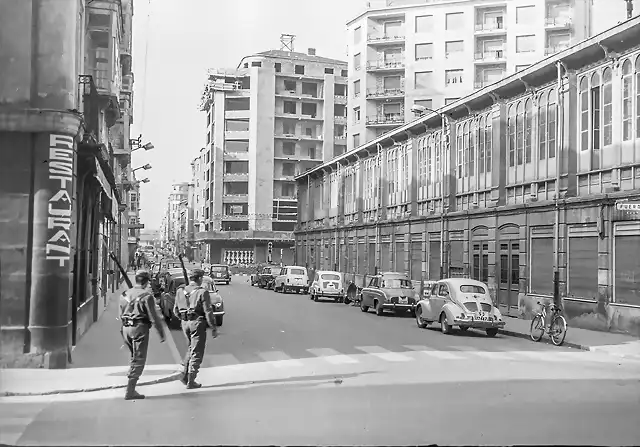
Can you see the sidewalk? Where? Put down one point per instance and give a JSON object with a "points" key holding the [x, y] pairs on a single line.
{"points": [[99, 361], [587, 340]]}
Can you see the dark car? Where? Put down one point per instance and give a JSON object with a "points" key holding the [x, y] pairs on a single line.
{"points": [[173, 279], [267, 275], [220, 273]]}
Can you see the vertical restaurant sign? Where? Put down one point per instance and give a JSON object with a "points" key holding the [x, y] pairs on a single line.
{"points": [[61, 159]]}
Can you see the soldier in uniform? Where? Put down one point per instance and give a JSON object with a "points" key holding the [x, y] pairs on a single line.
{"points": [[138, 314], [193, 307]]}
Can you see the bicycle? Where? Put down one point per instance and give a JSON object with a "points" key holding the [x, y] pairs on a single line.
{"points": [[557, 330]]}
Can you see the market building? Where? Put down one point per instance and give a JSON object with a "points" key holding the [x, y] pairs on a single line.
{"points": [[532, 181]]}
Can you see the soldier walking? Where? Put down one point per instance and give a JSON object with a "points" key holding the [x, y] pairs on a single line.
{"points": [[138, 314], [193, 307]]}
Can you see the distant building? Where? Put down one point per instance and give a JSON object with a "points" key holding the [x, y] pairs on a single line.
{"points": [[278, 114], [174, 231]]}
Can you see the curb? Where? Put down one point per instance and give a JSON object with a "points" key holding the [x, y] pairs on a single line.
{"points": [[166, 379], [544, 340]]}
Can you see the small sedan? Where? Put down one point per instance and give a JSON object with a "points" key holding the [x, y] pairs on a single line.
{"points": [[461, 302], [327, 284], [216, 299], [220, 273], [389, 291]]}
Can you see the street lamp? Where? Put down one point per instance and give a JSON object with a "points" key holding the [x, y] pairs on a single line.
{"points": [[419, 111], [145, 167], [136, 143]]}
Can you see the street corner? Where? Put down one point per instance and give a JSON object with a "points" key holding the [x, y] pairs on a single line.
{"points": [[41, 382], [628, 350]]}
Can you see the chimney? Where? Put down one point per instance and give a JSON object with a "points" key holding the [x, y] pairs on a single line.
{"points": [[311, 52]]}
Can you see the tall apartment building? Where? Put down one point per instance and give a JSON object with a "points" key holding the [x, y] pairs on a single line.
{"points": [[276, 115], [173, 234], [411, 52]]}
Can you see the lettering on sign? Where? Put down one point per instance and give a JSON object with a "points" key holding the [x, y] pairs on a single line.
{"points": [[628, 206], [58, 246]]}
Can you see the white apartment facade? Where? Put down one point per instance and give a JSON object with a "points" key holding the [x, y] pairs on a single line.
{"points": [[403, 53], [276, 115]]}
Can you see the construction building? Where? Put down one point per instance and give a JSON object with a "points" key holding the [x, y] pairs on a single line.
{"points": [[404, 53], [531, 185], [279, 113]]}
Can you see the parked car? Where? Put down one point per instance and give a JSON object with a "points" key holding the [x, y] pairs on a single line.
{"points": [[389, 290], [167, 299], [292, 278], [216, 299], [461, 302], [266, 276], [327, 284], [220, 273]]}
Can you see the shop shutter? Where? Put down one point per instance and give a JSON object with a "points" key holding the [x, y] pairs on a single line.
{"points": [[542, 266], [456, 258], [627, 269], [583, 267], [372, 258], [434, 260], [385, 258], [362, 258], [399, 256], [416, 261]]}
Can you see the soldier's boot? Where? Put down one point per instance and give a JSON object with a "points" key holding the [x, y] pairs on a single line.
{"points": [[131, 393], [184, 378], [191, 383]]}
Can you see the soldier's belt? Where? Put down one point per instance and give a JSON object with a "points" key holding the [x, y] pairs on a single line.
{"points": [[190, 316], [130, 322]]}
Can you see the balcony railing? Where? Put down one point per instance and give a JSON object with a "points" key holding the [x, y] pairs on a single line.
{"points": [[383, 38], [395, 64], [340, 98], [386, 118], [88, 94], [558, 22], [492, 55], [385, 93], [491, 26], [339, 119], [555, 49]]}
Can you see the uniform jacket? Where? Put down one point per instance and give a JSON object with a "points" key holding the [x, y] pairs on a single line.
{"points": [[144, 307], [198, 300]]}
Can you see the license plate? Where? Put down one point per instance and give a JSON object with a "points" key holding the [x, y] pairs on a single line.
{"points": [[403, 301], [482, 318]]}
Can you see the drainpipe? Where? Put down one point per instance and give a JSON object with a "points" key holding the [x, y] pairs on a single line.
{"points": [[559, 145]]}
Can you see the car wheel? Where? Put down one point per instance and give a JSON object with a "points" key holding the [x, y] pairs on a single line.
{"points": [[464, 328], [419, 320], [492, 332], [336, 299], [445, 327], [315, 297], [363, 308], [311, 295], [379, 308], [219, 320]]}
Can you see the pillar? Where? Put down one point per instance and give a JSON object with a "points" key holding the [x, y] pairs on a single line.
{"points": [[38, 141]]}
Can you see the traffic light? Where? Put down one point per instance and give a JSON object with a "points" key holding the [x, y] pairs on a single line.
{"points": [[270, 247]]}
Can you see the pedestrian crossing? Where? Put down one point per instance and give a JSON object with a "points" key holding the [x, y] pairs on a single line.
{"points": [[15, 419], [404, 354]]}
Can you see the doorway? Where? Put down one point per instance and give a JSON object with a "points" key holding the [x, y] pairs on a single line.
{"points": [[509, 276]]}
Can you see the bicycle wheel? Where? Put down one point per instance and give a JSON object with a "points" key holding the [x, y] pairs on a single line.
{"points": [[558, 330], [537, 328]]}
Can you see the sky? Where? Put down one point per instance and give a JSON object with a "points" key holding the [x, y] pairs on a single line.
{"points": [[176, 41]]}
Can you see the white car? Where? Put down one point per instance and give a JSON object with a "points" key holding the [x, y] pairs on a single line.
{"points": [[461, 302], [327, 284], [292, 278]]}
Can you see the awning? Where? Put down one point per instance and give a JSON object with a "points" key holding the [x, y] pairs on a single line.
{"points": [[108, 191]]}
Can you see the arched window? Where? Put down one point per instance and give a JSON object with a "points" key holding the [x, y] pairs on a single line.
{"points": [[542, 126], [459, 150], [465, 154], [551, 123], [607, 107], [473, 134], [488, 137], [437, 140], [627, 100], [520, 134], [584, 114], [481, 137], [511, 127], [528, 119]]}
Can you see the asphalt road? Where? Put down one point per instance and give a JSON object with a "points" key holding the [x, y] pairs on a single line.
{"points": [[288, 371]]}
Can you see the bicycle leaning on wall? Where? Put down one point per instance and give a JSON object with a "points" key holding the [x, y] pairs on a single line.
{"points": [[557, 329]]}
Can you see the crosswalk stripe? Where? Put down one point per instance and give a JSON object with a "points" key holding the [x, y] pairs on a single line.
{"points": [[433, 353], [494, 355], [222, 360], [332, 356], [278, 359], [463, 348], [549, 356], [383, 354]]}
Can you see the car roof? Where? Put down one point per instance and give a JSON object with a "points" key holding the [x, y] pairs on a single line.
{"points": [[457, 282], [219, 265], [294, 267], [393, 275], [320, 272]]}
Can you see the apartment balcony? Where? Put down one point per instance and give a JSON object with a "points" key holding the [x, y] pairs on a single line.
{"points": [[127, 84], [283, 178], [235, 156], [387, 66], [298, 116], [226, 86], [300, 96], [236, 135], [386, 93], [482, 83], [340, 119], [236, 217], [340, 139], [492, 57], [556, 48], [491, 28], [558, 22], [384, 39], [265, 236], [340, 99], [296, 136], [239, 114], [235, 198], [387, 119], [235, 177]]}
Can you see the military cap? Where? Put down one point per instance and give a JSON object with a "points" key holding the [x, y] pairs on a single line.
{"points": [[143, 274], [196, 273]]}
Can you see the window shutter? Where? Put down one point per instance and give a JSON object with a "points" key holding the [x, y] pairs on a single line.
{"points": [[583, 267], [627, 270], [542, 266]]}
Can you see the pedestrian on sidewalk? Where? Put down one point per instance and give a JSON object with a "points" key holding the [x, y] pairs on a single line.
{"points": [[193, 307], [138, 314]]}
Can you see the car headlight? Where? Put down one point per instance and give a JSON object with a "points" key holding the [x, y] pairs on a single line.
{"points": [[218, 305]]}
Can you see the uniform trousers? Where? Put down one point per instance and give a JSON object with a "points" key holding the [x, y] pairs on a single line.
{"points": [[196, 333], [136, 338]]}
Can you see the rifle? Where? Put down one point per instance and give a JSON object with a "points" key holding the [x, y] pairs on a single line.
{"points": [[122, 271], [184, 270]]}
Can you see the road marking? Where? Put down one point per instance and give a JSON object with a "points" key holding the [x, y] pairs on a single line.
{"points": [[549, 356], [383, 354], [278, 359], [433, 353], [332, 356], [222, 360], [492, 355]]}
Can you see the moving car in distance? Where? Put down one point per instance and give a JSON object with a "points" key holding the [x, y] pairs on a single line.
{"points": [[327, 284], [389, 291], [219, 273], [292, 278], [266, 276], [461, 302]]}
